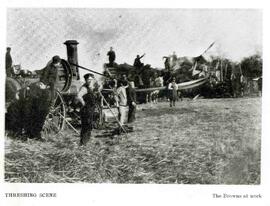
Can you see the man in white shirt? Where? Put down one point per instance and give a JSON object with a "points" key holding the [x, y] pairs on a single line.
{"points": [[122, 100], [173, 87]]}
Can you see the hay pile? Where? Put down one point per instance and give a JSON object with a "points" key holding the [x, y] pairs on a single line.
{"points": [[201, 142]]}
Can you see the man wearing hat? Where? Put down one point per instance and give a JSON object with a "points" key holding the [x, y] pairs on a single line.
{"points": [[49, 76], [122, 102], [112, 56], [39, 99], [173, 88], [8, 63], [131, 101], [87, 99], [137, 62]]}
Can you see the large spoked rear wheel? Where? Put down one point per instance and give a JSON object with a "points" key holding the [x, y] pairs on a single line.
{"points": [[55, 120]]}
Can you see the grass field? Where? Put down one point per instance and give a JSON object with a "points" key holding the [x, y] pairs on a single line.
{"points": [[206, 141]]}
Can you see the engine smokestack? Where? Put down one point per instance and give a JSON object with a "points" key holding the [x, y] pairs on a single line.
{"points": [[72, 55]]}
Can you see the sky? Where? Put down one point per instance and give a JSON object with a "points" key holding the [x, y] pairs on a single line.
{"points": [[35, 35]]}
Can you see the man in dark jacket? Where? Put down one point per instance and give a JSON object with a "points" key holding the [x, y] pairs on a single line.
{"points": [[167, 63], [49, 76], [8, 62], [87, 98], [112, 57], [37, 105], [131, 101], [260, 86], [28, 113], [137, 62]]}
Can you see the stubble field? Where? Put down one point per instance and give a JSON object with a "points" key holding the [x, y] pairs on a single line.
{"points": [[206, 141]]}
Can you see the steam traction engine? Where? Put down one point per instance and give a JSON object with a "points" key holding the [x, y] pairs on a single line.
{"points": [[64, 110]]}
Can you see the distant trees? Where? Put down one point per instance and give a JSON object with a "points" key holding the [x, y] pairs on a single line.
{"points": [[252, 66]]}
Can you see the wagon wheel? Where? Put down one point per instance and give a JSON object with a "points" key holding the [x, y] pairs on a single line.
{"points": [[55, 120], [98, 119]]}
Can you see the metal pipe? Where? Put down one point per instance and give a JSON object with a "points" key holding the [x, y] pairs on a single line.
{"points": [[87, 69]]}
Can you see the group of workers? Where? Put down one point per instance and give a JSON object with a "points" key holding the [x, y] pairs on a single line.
{"points": [[37, 99], [26, 116], [125, 97], [112, 56], [172, 86]]}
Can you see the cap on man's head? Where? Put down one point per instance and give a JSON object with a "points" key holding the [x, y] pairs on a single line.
{"points": [[56, 59], [88, 75]]}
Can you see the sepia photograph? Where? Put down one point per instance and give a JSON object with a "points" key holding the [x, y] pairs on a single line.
{"points": [[133, 96]]}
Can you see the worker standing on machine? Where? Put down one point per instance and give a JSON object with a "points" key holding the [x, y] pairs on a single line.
{"points": [[49, 76]]}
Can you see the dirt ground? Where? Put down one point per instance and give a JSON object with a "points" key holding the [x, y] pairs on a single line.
{"points": [[205, 141]]}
